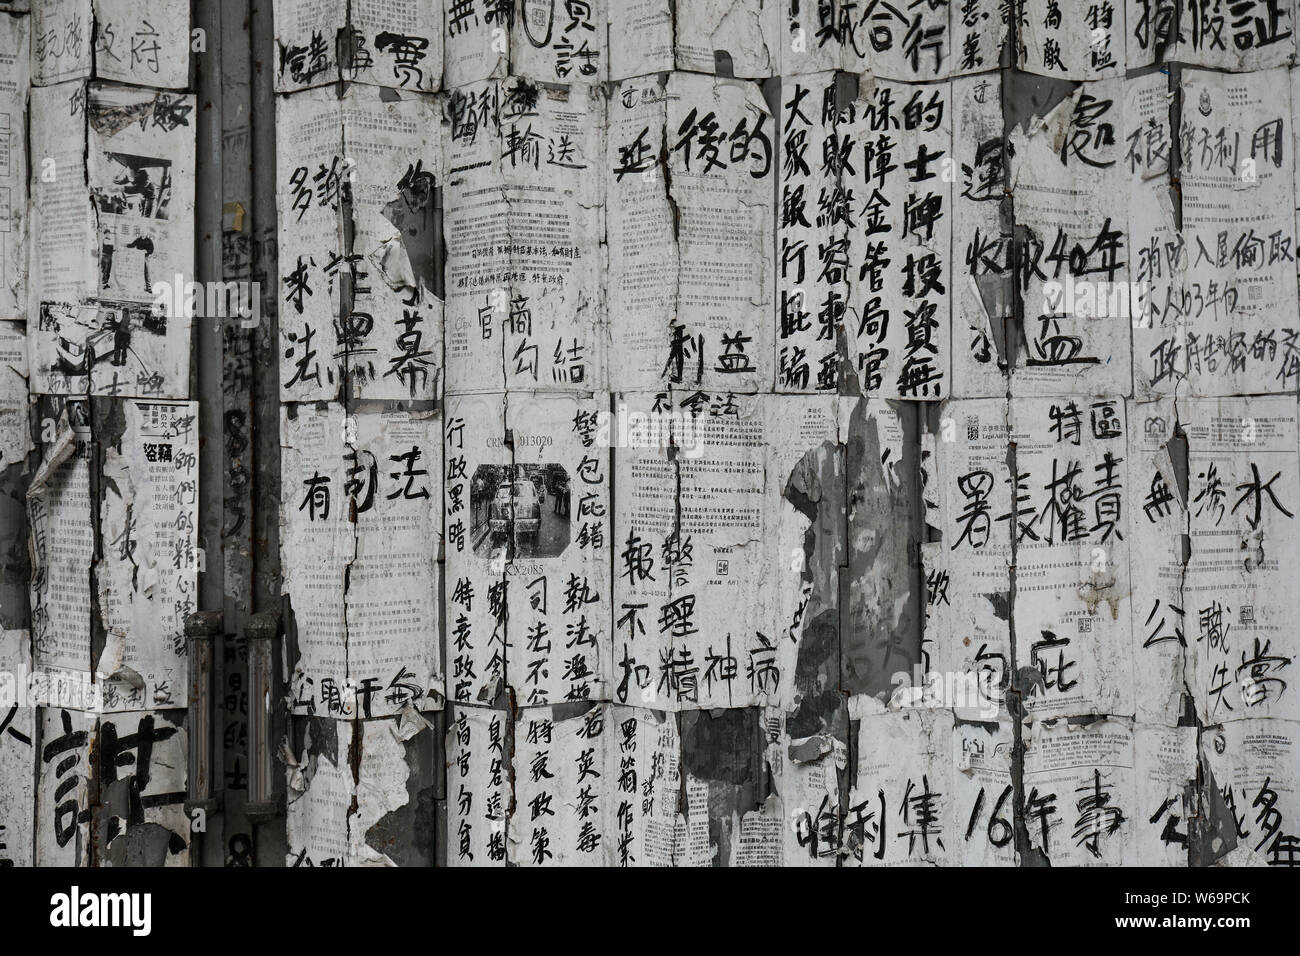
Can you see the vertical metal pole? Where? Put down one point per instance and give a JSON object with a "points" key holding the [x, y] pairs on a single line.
{"points": [[201, 630], [263, 804], [269, 846], [207, 329], [266, 353], [235, 847]]}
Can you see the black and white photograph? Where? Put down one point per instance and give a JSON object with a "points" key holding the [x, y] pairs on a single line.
{"points": [[521, 510], [649, 434]]}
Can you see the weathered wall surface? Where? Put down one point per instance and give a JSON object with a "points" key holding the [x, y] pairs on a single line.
{"points": [[101, 443], [684, 433]]}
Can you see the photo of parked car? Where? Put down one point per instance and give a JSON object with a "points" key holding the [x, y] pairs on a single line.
{"points": [[100, 332], [517, 513], [83, 335], [508, 513]]}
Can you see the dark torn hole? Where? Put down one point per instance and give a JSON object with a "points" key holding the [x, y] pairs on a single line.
{"points": [[1026, 97], [816, 492], [414, 215], [884, 531], [720, 745], [1211, 834], [408, 835]]}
